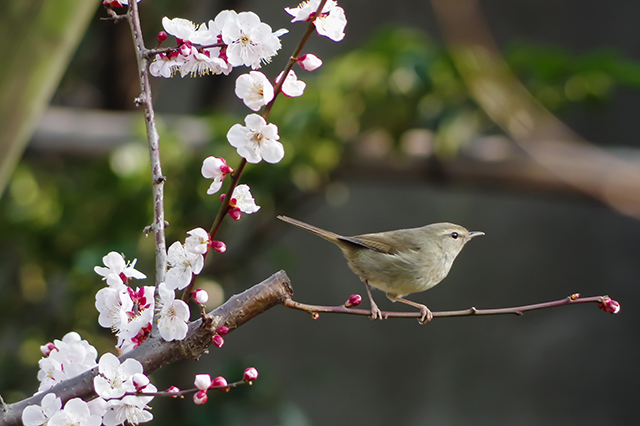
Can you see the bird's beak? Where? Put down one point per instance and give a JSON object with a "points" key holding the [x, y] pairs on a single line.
{"points": [[475, 234]]}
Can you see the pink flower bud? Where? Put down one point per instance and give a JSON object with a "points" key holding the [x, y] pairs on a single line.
{"points": [[200, 296], [46, 349], [309, 62], [162, 36], [354, 300], [185, 50], [200, 397], [609, 305], [220, 381], [222, 196], [222, 330], [219, 246], [250, 374], [217, 341], [173, 389], [203, 381], [235, 213], [224, 168], [140, 381]]}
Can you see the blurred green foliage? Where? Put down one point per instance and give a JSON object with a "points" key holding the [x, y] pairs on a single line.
{"points": [[63, 212]]}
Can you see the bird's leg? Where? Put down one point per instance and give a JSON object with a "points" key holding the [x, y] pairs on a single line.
{"points": [[376, 313], [426, 314]]}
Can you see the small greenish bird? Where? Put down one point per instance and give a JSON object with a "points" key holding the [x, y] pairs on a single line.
{"points": [[399, 262]]}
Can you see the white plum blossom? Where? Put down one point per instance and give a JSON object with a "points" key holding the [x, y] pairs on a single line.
{"points": [[332, 25], [36, 415], [115, 379], [113, 305], [243, 200], [131, 409], [180, 28], [97, 406], [137, 329], [329, 23], [70, 357], [75, 413], [255, 89], [292, 87], [164, 65], [249, 41], [182, 264], [203, 63], [257, 140], [117, 271], [309, 62], [198, 241], [212, 33], [216, 169], [174, 315]]}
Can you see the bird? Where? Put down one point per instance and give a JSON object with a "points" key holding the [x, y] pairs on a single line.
{"points": [[399, 262]]}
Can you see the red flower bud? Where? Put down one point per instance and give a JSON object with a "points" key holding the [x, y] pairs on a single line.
{"points": [[200, 397], [609, 305], [217, 341], [354, 300], [250, 374], [220, 381], [222, 330], [162, 36]]}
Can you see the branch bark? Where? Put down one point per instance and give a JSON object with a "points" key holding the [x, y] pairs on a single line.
{"points": [[155, 352]]}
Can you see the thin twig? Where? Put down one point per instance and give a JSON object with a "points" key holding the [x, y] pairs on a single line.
{"points": [[316, 310], [235, 177], [146, 100]]}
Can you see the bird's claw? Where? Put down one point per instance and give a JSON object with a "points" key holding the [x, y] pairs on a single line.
{"points": [[376, 313], [425, 315]]}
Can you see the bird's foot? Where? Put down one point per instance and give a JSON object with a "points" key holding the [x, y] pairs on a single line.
{"points": [[376, 313], [425, 315]]}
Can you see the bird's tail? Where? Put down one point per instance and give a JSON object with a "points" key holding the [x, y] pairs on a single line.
{"points": [[327, 235]]}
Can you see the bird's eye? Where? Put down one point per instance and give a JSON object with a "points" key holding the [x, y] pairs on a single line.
{"points": [[454, 235]]}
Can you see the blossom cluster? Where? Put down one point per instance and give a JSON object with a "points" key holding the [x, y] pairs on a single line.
{"points": [[230, 40], [116, 386]]}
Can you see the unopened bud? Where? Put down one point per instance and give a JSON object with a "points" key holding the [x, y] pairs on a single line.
{"points": [[140, 381], [185, 50], [162, 36], [222, 330], [200, 397], [235, 213], [217, 341], [309, 62], [173, 389], [219, 246], [354, 300], [46, 349], [609, 305], [200, 296], [219, 382], [203, 381], [250, 374]]}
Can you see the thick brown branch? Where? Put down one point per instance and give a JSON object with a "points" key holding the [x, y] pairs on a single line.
{"points": [[155, 352]]}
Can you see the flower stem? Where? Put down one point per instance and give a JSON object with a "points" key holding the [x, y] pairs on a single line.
{"points": [[224, 207]]}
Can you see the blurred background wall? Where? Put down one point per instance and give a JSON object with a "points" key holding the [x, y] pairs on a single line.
{"points": [[387, 136]]}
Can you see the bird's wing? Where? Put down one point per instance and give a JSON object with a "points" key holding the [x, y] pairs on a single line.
{"points": [[381, 242]]}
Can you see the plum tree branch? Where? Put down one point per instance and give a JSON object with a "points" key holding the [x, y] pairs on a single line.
{"points": [[316, 310], [155, 352]]}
